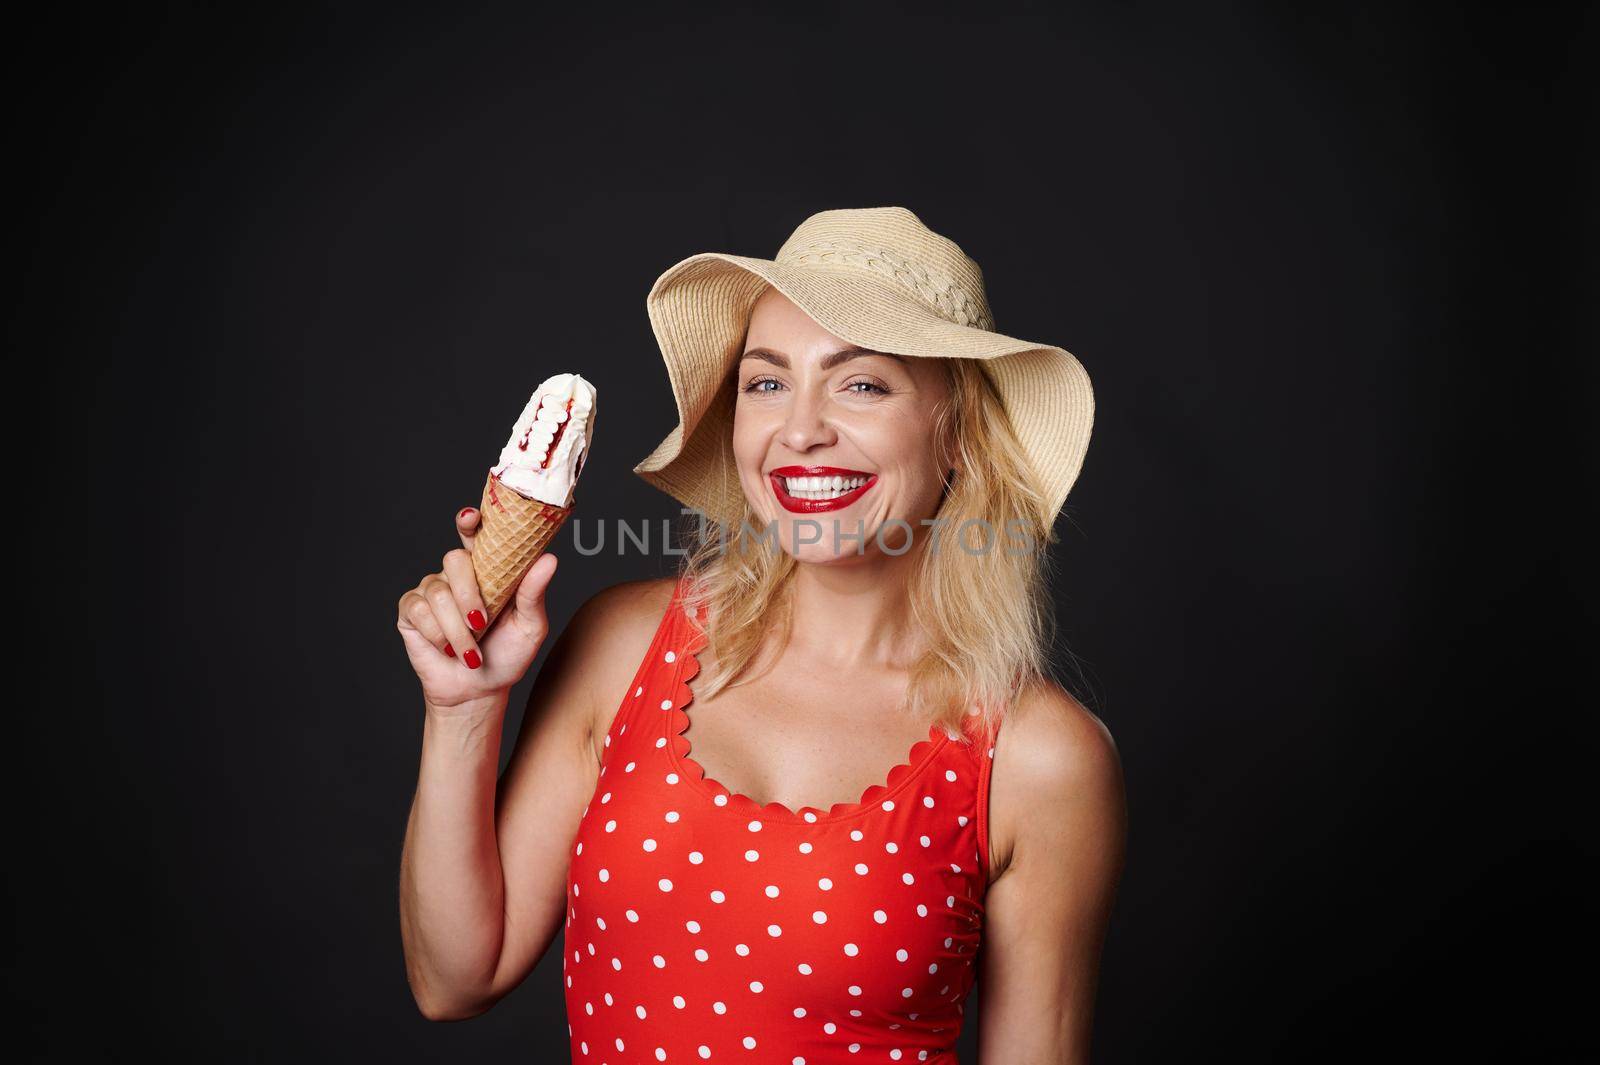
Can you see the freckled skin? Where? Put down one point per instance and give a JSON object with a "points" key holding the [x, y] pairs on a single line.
{"points": [[804, 416]]}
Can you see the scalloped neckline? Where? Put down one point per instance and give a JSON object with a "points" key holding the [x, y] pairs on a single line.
{"points": [[898, 777]]}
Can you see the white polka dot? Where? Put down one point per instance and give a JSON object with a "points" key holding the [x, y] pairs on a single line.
{"points": [[772, 891], [755, 985], [604, 874], [720, 1007], [660, 962], [751, 856], [927, 800], [754, 826], [672, 778], [661, 1055], [805, 848], [905, 992], [638, 691], [664, 884], [825, 884], [805, 970], [888, 804], [855, 834], [672, 817], [853, 1046], [666, 704], [950, 775], [854, 989], [640, 1011], [901, 954], [616, 963], [879, 916], [891, 846], [721, 800], [908, 878], [677, 1000], [601, 921], [692, 926], [649, 844], [922, 911], [830, 1028], [774, 931], [895, 1054], [629, 767], [704, 1051], [809, 816], [611, 826], [633, 916], [924, 840], [671, 656], [861, 868], [749, 1042], [619, 1043], [695, 857], [700, 954], [799, 1011], [819, 917], [605, 798], [851, 949], [717, 896], [741, 949]]}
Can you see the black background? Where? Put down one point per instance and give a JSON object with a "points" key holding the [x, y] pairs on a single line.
{"points": [[286, 277]]}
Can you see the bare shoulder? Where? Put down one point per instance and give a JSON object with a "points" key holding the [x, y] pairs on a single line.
{"points": [[1051, 755], [610, 633]]}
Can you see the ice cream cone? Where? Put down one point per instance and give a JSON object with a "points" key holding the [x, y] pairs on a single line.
{"points": [[513, 532]]}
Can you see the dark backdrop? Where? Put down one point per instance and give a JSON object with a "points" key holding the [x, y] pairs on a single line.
{"points": [[287, 278]]}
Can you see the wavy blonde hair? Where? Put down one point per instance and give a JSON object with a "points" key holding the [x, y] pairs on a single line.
{"points": [[987, 614]]}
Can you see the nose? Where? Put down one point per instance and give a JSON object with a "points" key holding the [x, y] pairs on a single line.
{"points": [[804, 426]]}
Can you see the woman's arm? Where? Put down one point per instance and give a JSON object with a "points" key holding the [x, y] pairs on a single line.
{"points": [[484, 869], [1058, 813]]}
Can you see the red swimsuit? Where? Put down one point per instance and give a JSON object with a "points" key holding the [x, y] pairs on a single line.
{"points": [[702, 926]]}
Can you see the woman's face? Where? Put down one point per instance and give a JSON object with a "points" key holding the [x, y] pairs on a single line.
{"points": [[813, 406]]}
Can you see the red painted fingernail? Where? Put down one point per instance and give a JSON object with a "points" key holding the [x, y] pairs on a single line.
{"points": [[451, 651], [472, 660], [464, 512], [476, 619]]}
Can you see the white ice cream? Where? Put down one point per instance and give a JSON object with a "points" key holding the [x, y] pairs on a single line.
{"points": [[550, 442]]}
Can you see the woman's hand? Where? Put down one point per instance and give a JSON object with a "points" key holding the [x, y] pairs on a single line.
{"points": [[441, 619]]}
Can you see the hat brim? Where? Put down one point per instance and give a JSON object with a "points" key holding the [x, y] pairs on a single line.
{"points": [[700, 311]]}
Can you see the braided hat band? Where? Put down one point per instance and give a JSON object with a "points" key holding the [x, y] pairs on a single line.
{"points": [[876, 277]]}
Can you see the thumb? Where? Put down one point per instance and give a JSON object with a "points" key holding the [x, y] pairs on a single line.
{"points": [[529, 603]]}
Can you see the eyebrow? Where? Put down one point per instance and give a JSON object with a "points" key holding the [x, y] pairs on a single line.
{"points": [[829, 361]]}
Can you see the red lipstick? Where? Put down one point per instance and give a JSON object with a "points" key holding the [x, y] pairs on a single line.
{"points": [[796, 505]]}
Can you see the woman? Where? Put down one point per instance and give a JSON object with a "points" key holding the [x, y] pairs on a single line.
{"points": [[806, 875]]}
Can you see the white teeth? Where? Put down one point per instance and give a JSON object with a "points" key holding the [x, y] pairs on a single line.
{"points": [[822, 487]]}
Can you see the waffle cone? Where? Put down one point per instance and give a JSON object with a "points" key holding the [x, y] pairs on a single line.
{"points": [[513, 533]]}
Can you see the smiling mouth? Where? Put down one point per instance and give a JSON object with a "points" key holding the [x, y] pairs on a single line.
{"points": [[808, 489]]}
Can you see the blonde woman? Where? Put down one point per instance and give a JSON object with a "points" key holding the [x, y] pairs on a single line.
{"points": [[791, 803]]}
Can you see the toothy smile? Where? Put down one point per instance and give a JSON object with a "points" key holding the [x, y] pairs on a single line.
{"points": [[807, 489], [821, 487]]}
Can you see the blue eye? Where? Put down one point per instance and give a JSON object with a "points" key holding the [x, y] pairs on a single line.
{"points": [[751, 387]]}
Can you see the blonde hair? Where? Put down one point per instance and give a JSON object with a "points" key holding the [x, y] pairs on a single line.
{"points": [[984, 608]]}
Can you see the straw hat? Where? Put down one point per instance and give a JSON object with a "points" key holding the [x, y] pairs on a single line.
{"points": [[876, 277]]}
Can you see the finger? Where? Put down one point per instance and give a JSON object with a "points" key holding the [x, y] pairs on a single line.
{"points": [[529, 603], [467, 519], [415, 612], [448, 614], [464, 583]]}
